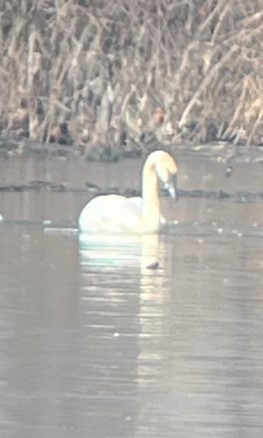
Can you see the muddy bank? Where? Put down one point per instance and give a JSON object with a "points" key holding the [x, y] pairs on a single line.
{"points": [[13, 146]]}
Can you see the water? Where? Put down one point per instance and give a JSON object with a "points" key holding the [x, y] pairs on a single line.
{"points": [[94, 343]]}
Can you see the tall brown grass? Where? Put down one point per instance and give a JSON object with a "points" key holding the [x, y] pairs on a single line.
{"points": [[106, 66]]}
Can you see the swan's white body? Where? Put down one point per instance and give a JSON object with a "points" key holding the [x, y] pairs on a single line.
{"points": [[117, 214], [111, 213]]}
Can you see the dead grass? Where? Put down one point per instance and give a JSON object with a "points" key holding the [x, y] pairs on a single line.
{"points": [[104, 67]]}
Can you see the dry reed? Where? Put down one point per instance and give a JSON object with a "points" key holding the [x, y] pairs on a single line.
{"points": [[105, 67]]}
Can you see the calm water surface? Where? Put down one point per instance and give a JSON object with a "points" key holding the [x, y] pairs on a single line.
{"points": [[95, 344]]}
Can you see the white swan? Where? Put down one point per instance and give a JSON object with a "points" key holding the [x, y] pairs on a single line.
{"points": [[117, 214]]}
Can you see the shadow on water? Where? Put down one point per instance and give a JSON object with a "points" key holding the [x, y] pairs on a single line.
{"points": [[99, 340]]}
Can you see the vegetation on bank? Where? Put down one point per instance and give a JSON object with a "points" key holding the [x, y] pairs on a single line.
{"points": [[124, 73]]}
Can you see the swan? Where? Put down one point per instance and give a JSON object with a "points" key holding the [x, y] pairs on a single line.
{"points": [[118, 214]]}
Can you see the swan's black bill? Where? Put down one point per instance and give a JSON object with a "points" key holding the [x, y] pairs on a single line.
{"points": [[170, 186]]}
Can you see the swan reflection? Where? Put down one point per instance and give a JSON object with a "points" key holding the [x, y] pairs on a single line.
{"points": [[122, 296], [116, 250]]}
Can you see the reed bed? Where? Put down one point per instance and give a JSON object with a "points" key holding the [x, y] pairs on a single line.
{"points": [[117, 71]]}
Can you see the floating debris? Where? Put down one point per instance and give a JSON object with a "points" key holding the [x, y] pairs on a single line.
{"points": [[228, 171], [153, 266], [47, 222]]}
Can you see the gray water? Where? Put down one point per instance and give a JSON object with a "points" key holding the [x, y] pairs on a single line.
{"points": [[93, 343]]}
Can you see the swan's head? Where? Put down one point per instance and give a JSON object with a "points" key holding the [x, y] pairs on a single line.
{"points": [[166, 169]]}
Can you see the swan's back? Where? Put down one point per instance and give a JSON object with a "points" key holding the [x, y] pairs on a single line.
{"points": [[112, 213]]}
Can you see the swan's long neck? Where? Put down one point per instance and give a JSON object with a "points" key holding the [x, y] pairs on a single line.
{"points": [[151, 198]]}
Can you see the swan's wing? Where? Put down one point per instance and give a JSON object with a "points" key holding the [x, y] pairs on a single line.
{"points": [[136, 204], [112, 213]]}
